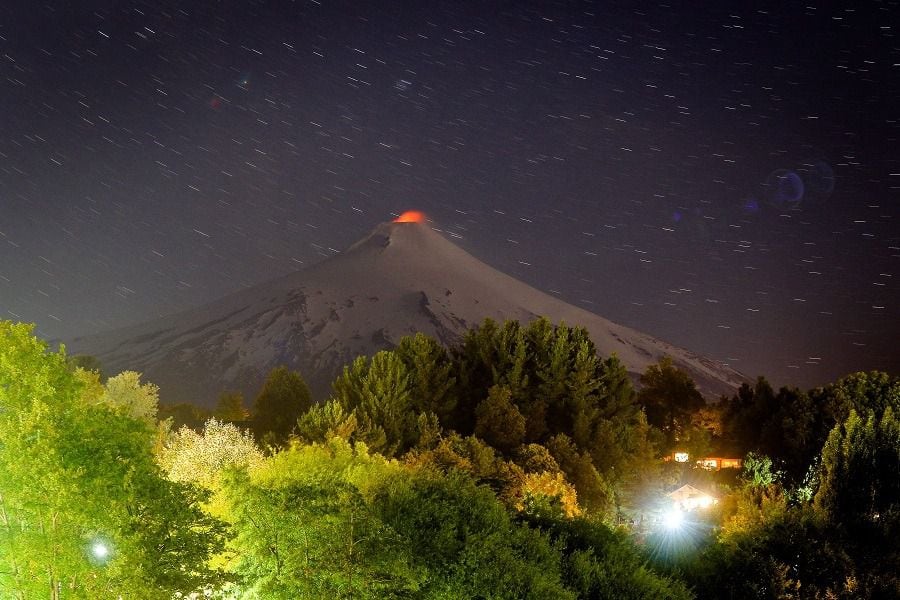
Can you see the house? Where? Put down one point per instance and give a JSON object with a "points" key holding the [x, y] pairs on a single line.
{"points": [[687, 498], [710, 463], [716, 463]]}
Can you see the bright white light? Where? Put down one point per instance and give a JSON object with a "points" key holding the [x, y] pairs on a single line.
{"points": [[681, 457], [99, 550], [673, 519]]}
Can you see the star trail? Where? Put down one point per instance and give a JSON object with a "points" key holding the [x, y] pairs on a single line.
{"points": [[724, 177]]}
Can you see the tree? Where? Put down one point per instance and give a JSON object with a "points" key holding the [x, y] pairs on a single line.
{"points": [[466, 541], [282, 399], [594, 492], [670, 397], [75, 473], [202, 457], [325, 421], [774, 543], [548, 493], [534, 458], [475, 458], [126, 394], [552, 372], [498, 421], [618, 395], [430, 371], [859, 481], [230, 408], [305, 527], [377, 393], [86, 362], [598, 562], [786, 426], [487, 355], [862, 392], [778, 553]]}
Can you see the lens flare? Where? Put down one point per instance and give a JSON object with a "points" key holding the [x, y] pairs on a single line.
{"points": [[100, 550], [411, 216], [673, 519]]}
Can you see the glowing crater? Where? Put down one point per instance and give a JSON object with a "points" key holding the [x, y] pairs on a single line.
{"points": [[411, 216]]}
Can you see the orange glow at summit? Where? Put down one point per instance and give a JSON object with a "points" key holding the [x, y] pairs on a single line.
{"points": [[411, 216]]}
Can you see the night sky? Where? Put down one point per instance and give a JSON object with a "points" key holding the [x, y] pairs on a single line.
{"points": [[726, 178]]}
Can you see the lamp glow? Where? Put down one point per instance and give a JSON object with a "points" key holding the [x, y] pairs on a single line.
{"points": [[99, 550], [673, 519]]}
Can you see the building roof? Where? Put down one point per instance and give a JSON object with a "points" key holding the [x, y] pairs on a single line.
{"points": [[686, 492]]}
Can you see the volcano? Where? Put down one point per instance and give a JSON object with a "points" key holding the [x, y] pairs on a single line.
{"points": [[403, 278]]}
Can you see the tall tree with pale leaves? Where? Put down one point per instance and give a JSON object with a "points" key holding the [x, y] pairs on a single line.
{"points": [[126, 394], [201, 457]]}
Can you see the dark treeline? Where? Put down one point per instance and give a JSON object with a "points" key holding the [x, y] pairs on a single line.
{"points": [[515, 464]]}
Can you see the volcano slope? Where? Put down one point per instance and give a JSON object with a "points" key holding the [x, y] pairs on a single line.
{"points": [[400, 279]]}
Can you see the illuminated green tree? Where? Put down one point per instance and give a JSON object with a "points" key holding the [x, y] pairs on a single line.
{"points": [[430, 375], [84, 510], [126, 394], [305, 528], [202, 457], [377, 393]]}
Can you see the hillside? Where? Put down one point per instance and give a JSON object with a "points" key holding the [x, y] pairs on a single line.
{"points": [[400, 279]]}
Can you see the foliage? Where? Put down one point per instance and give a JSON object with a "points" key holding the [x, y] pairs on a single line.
{"points": [[534, 458], [670, 398], [74, 472], [438, 532], [513, 446], [791, 426], [466, 542], [377, 395], [230, 408], [598, 562], [759, 499], [787, 555], [283, 397], [126, 394], [498, 422], [201, 458], [555, 380], [305, 527], [325, 421], [786, 426], [477, 460], [858, 498], [862, 392], [430, 375], [507, 384], [759, 472], [594, 490], [548, 493], [774, 544]]}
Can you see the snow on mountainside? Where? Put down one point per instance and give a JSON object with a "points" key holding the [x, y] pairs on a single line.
{"points": [[400, 279]]}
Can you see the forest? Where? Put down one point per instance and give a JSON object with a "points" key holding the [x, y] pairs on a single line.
{"points": [[516, 463]]}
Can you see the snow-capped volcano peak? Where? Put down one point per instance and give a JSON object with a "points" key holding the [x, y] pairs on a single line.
{"points": [[403, 277]]}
